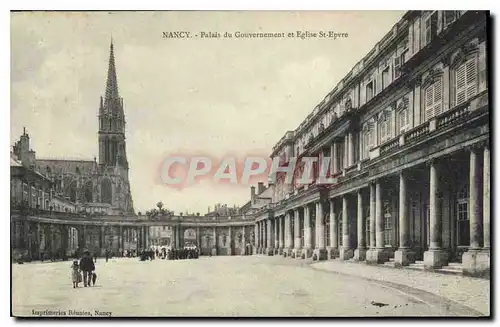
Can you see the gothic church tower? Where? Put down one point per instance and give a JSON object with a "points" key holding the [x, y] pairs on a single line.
{"points": [[112, 150]]}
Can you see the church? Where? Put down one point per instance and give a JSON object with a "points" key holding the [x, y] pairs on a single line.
{"points": [[93, 186]]}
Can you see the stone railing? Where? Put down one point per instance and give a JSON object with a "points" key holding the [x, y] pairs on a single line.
{"points": [[453, 116], [416, 133], [350, 169], [389, 146]]}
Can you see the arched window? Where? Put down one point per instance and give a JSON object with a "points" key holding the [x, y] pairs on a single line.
{"points": [[106, 191]]}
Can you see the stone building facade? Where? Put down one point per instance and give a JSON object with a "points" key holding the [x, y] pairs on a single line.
{"points": [[407, 131]]}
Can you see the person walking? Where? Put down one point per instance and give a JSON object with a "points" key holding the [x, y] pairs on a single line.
{"points": [[87, 267]]}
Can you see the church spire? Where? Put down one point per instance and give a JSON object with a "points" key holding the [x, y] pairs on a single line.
{"points": [[111, 83]]}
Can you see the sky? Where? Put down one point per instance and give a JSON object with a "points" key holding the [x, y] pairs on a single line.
{"points": [[191, 96]]}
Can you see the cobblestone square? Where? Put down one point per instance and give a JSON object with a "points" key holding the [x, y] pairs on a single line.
{"points": [[217, 286]]}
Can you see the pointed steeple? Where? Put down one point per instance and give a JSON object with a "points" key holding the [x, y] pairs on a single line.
{"points": [[111, 82]]}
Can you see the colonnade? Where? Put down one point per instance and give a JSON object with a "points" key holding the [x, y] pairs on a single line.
{"points": [[364, 225]]}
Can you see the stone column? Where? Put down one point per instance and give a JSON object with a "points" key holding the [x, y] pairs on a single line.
{"points": [[243, 241], [350, 160], [360, 252], [297, 248], [373, 218], [230, 240], [333, 250], [198, 237], [269, 237], [282, 234], [263, 236], [377, 253], [178, 237], [320, 250], [345, 252], [335, 163], [307, 251], [403, 256], [486, 198], [276, 222], [38, 247], [435, 257], [474, 208], [476, 261], [256, 233], [286, 234], [214, 249]]}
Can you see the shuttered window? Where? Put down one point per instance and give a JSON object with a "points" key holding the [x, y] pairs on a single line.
{"points": [[368, 143], [385, 127], [465, 81], [434, 99]]}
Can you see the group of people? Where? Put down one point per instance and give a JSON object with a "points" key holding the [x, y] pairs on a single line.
{"points": [[183, 253], [87, 268], [170, 254]]}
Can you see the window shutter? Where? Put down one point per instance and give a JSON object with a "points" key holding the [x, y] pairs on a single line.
{"points": [[460, 85], [471, 72], [429, 100], [438, 97]]}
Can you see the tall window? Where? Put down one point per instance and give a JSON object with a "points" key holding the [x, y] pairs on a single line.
{"points": [[430, 28], [463, 227], [434, 99], [368, 140], [370, 90], [465, 81], [387, 224], [385, 77], [385, 127], [403, 115]]}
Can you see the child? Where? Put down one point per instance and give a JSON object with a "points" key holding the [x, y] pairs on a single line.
{"points": [[75, 275]]}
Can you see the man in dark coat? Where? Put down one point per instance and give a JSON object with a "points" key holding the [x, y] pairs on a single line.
{"points": [[87, 266]]}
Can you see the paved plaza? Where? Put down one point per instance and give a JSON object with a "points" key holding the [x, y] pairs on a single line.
{"points": [[239, 286]]}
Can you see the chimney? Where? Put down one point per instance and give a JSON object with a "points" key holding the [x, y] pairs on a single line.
{"points": [[260, 188], [252, 194]]}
